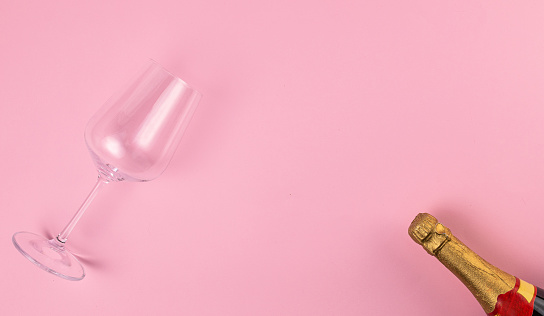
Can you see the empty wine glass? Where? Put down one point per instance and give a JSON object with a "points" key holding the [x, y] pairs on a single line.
{"points": [[133, 137]]}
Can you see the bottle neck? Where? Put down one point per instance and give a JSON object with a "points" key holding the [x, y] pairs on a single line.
{"points": [[484, 281]]}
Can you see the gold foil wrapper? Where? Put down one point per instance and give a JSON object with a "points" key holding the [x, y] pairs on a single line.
{"points": [[484, 281]]}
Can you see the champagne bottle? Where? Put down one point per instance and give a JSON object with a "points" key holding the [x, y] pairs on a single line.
{"points": [[499, 293]]}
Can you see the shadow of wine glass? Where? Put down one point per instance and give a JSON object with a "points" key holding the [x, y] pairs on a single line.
{"points": [[87, 260]]}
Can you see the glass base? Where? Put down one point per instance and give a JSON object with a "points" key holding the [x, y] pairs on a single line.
{"points": [[49, 255]]}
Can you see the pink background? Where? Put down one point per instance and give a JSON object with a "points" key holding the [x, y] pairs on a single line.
{"points": [[325, 127]]}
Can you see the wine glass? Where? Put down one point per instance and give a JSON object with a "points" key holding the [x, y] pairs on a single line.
{"points": [[133, 137]]}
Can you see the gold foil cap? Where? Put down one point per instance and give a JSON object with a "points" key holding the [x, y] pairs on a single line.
{"points": [[485, 281], [429, 233]]}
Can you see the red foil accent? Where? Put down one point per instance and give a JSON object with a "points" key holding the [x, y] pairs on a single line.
{"points": [[512, 303]]}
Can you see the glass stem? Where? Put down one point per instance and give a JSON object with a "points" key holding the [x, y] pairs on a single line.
{"points": [[63, 236]]}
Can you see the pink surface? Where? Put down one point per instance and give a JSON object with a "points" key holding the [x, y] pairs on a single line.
{"points": [[324, 129]]}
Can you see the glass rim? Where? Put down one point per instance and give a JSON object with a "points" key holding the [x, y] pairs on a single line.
{"points": [[154, 63]]}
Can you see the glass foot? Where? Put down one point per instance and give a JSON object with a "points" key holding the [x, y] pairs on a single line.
{"points": [[49, 255]]}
